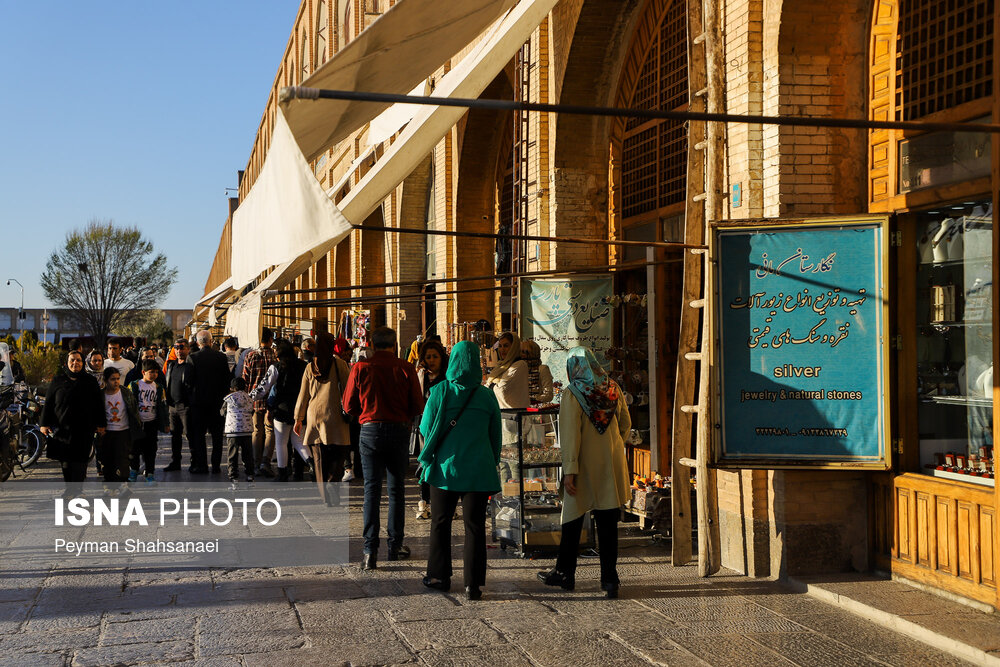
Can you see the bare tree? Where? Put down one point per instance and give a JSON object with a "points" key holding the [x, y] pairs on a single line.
{"points": [[105, 273]]}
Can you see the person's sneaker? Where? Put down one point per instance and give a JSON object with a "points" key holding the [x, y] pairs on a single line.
{"points": [[173, 467], [150, 479], [554, 577], [216, 470], [249, 479], [348, 475], [265, 471], [132, 476], [423, 510]]}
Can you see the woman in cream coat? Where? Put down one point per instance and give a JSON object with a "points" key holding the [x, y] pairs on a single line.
{"points": [[593, 423], [319, 418]]}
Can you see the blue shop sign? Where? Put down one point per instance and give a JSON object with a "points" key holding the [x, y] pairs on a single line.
{"points": [[800, 315]]}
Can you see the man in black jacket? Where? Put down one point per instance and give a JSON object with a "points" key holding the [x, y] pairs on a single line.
{"points": [[212, 378], [180, 400]]}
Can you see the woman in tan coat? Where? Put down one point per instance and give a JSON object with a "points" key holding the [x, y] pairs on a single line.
{"points": [[319, 418], [593, 423]]}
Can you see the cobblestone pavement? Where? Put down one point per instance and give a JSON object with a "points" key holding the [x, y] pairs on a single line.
{"points": [[342, 615]]}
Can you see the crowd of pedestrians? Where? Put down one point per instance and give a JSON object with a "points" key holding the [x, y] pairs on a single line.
{"points": [[314, 411]]}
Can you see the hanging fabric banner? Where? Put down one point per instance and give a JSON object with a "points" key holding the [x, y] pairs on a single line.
{"points": [[562, 313]]}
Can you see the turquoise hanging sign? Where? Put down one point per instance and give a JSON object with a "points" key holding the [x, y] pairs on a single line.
{"points": [[800, 319]]}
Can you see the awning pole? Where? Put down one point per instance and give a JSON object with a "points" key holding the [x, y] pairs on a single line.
{"points": [[624, 266], [300, 92], [670, 245]]}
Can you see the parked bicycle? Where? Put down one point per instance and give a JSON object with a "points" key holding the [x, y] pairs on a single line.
{"points": [[21, 439]]}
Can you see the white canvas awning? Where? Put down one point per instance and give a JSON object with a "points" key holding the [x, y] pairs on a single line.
{"points": [[217, 293], [402, 48], [285, 212], [319, 227], [430, 123]]}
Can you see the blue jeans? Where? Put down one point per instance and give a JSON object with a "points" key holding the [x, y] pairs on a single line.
{"points": [[384, 446]]}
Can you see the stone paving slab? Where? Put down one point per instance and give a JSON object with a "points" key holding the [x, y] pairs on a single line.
{"points": [[134, 653], [942, 623]]}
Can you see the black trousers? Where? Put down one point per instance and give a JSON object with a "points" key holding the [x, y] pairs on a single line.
{"points": [[240, 445], [607, 544], [180, 426], [116, 446], [353, 459], [330, 463], [443, 504], [74, 471], [145, 447], [207, 420]]}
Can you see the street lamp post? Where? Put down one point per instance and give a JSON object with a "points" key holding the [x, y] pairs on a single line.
{"points": [[20, 313], [45, 326]]}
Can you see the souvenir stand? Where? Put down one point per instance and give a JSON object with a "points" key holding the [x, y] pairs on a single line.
{"points": [[526, 513]]}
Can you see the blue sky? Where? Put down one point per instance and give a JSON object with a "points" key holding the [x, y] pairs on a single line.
{"points": [[139, 112]]}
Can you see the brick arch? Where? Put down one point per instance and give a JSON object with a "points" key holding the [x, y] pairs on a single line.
{"points": [[639, 60], [814, 53], [484, 143], [587, 70]]}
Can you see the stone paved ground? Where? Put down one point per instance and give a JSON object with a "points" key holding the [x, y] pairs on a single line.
{"points": [[342, 615]]}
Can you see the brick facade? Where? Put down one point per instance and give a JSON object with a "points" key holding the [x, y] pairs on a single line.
{"points": [[782, 58]]}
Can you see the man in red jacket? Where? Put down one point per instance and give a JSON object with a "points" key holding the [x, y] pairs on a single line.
{"points": [[383, 393]]}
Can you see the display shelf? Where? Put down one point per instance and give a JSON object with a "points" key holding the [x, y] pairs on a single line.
{"points": [[957, 262], [957, 324], [542, 509], [513, 508], [532, 465], [959, 477], [980, 401]]}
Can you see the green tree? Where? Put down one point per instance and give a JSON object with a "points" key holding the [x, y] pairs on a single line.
{"points": [[148, 324], [104, 273]]}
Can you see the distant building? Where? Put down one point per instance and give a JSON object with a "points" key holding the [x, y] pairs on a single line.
{"points": [[62, 325]]}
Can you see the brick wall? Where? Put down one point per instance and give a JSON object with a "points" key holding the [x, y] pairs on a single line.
{"points": [[814, 63], [589, 67]]}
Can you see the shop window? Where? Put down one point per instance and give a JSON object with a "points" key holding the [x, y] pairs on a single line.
{"points": [[946, 55], [954, 342], [654, 153], [940, 158]]}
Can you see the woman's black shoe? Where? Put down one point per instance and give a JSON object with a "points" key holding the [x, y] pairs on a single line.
{"points": [[611, 589], [438, 584], [473, 593], [556, 578]]}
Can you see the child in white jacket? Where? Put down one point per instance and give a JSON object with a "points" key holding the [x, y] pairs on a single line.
{"points": [[237, 408]]}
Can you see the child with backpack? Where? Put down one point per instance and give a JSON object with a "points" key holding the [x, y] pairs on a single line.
{"points": [[237, 408]]}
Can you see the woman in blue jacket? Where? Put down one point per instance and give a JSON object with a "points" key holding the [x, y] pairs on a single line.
{"points": [[461, 429]]}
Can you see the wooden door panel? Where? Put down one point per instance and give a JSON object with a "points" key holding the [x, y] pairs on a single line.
{"points": [[945, 560], [924, 518], [903, 512], [965, 555], [988, 544]]}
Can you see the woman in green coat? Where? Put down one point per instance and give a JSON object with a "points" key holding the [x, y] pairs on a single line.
{"points": [[461, 429]]}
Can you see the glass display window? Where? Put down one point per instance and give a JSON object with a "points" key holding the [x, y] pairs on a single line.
{"points": [[954, 342]]}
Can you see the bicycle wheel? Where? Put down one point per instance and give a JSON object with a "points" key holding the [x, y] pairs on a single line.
{"points": [[32, 443]]}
